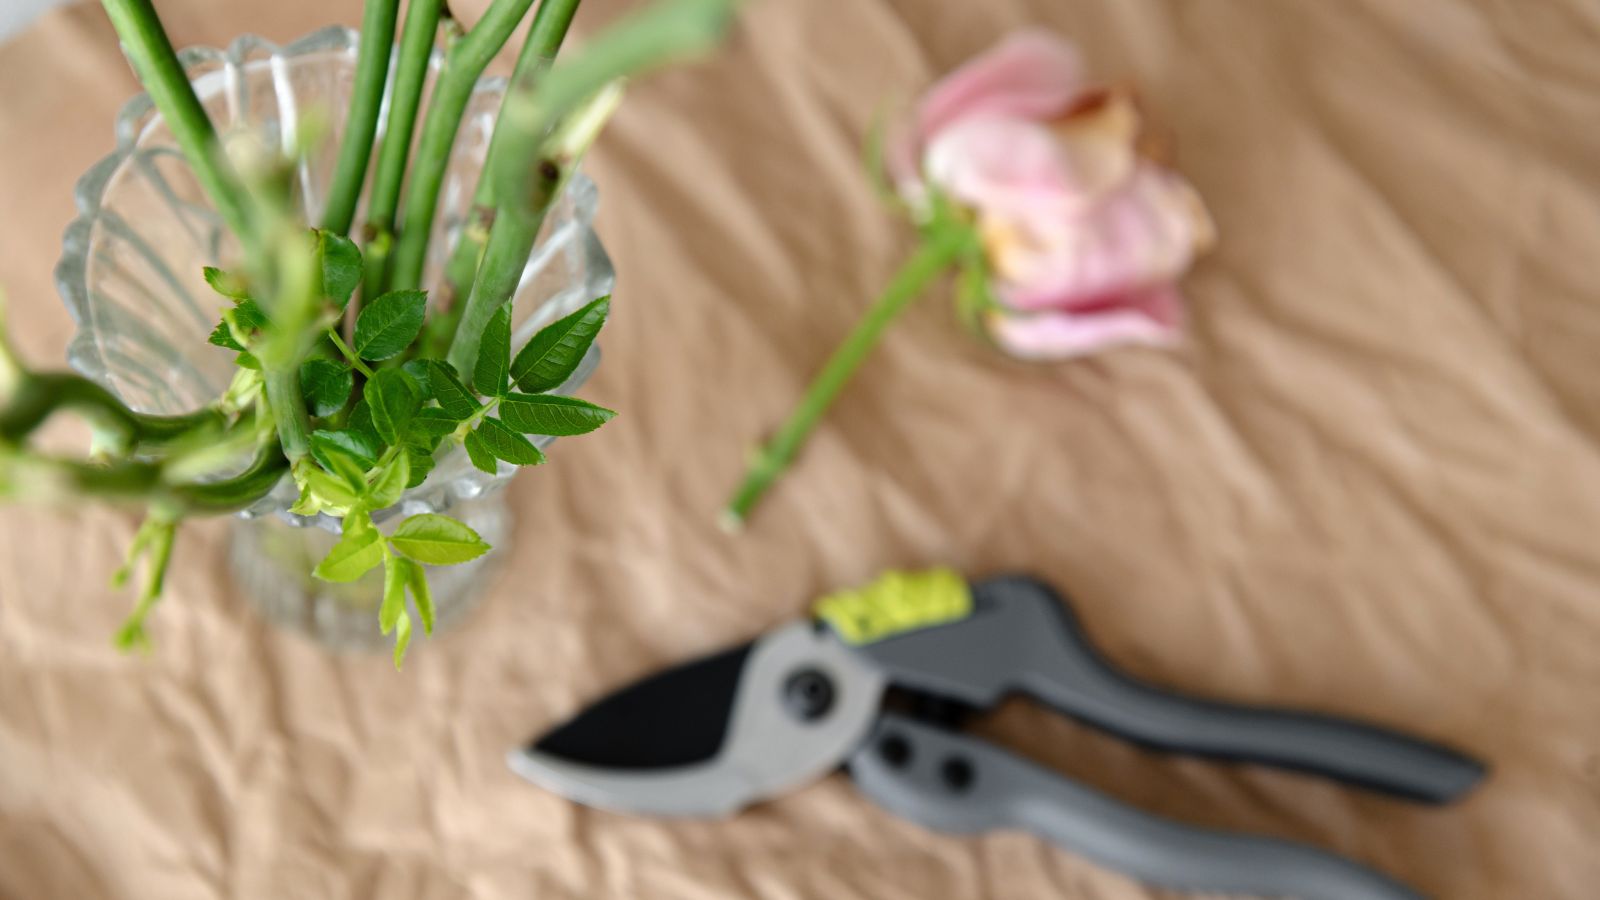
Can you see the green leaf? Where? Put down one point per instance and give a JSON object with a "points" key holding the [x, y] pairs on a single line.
{"points": [[418, 370], [326, 385], [507, 444], [554, 353], [354, 444], [393, 398], [453, 396], [394, 592], [437, 540], [390, 483], [494, 355], [402, 638], [430, 426], [478, 451], [341, 266], [358, 550], [417, 579], [360, 421], [421, 463], [552, 415], [243, 320], [345, 454], [226, 284], [389, 324]]}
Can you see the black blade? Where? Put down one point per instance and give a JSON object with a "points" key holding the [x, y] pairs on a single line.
{"points": [[676, 718]]}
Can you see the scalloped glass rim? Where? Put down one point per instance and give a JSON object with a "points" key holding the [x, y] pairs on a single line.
{"points": [[212, 70]]}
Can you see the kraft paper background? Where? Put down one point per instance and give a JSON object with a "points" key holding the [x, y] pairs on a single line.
{"points": [[1368, 485]]}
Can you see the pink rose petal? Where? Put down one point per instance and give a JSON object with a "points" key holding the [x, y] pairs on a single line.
{"points": [[1146, 232], [1084, 237], [1001, 165], [1151, 318], [1030, 75]]}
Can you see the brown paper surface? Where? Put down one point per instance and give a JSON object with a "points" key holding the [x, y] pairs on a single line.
{"points": [[1368, 485]]}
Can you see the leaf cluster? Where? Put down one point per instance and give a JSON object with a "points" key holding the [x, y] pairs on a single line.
{"points": [[383, 413]]}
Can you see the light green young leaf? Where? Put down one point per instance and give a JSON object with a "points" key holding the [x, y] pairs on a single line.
{"points": [[422, 595], [225, 283], [552, 415], [358, 550], [452, 394], [341, 266], [393, 399], [326, 385], [341, 464], [507, 444], [390, 483], [389, 324], [494, 355], [306, 504], [402, 638], [394, 592], [322, 492], [437, 540], [478, 451], [555, 352]]}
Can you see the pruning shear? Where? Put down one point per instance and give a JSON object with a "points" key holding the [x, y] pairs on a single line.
{"points": [[878, 680]]}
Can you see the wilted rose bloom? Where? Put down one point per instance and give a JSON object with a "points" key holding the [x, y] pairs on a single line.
{"points": [[1085, 237]]}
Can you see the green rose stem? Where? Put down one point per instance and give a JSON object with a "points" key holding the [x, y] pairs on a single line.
{"points": [[293, 271], [549, 28], [37, 396], [464, 63], [516, 225], [411, 68], [942, 248], [372, 70], [289, 410], [143, 482], [570, 103], [164, 79]]}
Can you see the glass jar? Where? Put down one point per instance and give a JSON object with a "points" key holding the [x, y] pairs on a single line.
{"points": [[130, 274]]}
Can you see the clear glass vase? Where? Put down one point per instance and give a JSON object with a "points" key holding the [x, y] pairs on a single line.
{"points": [[130, 276]]}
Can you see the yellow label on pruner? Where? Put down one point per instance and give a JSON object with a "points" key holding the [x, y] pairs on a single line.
{"points": [[896, 602]]}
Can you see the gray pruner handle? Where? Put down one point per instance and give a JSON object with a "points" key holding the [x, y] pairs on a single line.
{"points": [[1022, 637], [951, 782]]}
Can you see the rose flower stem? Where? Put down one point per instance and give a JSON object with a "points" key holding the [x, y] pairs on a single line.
{"points": [[372, 70], [39, 395], [410, 69], [289, 414], [569, 103], [464, 63], [164, 79], [549, 28], [516, 225], [292, 270], [942, 248]]}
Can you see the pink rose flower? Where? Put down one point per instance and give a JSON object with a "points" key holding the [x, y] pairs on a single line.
{"points": [[1085, 238]]}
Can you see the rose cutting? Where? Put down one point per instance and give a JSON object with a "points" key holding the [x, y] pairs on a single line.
{"points": [[1069, 236]]}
